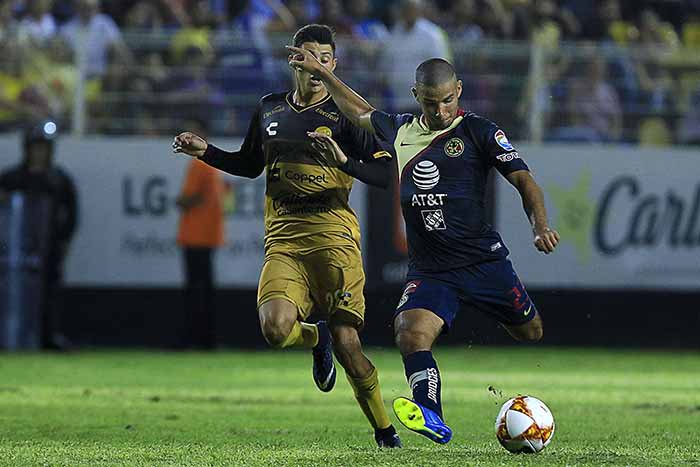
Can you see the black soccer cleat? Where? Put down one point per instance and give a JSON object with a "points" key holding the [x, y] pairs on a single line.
{"points": [[387, 438], [324, 368]]}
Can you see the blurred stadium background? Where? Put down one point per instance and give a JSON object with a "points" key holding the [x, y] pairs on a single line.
{"points": [[601, 97]]}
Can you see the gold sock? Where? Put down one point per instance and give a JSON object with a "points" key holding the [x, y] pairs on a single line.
{"points": [[309, 334], [302, 335], [369, 397]]}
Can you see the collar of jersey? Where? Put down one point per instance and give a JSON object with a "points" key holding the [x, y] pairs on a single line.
{"points": [[414, 138], [299, 109], [417, 134]]}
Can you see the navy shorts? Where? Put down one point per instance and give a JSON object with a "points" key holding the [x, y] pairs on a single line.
{"points": [[492, 288]]}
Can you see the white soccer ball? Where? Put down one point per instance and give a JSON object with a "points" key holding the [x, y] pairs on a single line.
{"points": [[524, 424]]}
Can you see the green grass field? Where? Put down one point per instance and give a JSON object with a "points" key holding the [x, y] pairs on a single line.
{"points": [[262, 408]]}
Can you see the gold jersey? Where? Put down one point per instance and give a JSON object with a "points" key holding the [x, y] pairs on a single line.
{"points": [[307, 196], [312, 235]]}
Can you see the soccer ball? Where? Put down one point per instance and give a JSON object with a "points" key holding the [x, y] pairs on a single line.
{"points": [[524, 424]]}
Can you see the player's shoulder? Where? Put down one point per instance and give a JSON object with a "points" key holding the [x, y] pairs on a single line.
{"points": [[273, 98], [478, 123], [396, 120], [484, 130]]}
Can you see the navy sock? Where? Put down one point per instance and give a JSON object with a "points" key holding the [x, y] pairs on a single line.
{"points": [[424, 379]]}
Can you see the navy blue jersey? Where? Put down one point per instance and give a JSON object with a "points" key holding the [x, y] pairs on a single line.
{"points": [[443, 176]]}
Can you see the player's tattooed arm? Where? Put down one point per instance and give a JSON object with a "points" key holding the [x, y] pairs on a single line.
{"points": [[353, 106], [546, 239]]}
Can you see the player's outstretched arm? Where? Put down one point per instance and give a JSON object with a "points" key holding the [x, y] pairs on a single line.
{"points": [[190, 144], [376, 172], [248, 161], [353, 106], [546, 239]]}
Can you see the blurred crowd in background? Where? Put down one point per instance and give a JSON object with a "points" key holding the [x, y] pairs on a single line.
{"points": [[546, 70]]}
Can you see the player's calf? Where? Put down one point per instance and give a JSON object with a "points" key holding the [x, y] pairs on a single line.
{"points": [[364, 380], [348, 350]]}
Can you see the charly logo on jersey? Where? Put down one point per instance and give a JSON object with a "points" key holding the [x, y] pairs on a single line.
{"points": [[454, 147], [502, 140], [271, 128], [426, 175]]}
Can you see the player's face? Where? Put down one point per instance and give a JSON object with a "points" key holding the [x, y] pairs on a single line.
{"points": [[307, 83], [439, 103]]}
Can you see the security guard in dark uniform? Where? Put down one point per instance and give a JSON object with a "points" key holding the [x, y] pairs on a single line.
{"points": [[40, 181]]}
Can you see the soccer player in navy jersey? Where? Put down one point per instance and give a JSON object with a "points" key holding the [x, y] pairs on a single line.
{"points": [[455, 257]]}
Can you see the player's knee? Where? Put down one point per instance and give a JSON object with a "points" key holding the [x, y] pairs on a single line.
{"points": [[275, 332], [411, 340], [534, 335], [531, 334], [274, 337]]}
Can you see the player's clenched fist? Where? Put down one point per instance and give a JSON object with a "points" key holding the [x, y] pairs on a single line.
{"points": [[546, 240], [190, 144]]}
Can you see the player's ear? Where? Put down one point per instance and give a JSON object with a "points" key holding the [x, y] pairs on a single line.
{"points": [[414, 91], [459, 88]]}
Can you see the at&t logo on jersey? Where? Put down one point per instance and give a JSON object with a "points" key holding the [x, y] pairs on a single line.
{"points": [[428, 199], [502, 140], [426, 175]]}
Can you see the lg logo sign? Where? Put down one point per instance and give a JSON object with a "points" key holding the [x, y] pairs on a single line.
{"points": [[149, 196]]}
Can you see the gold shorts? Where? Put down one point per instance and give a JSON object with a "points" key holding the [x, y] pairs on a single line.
{"points": [[329, 281]]}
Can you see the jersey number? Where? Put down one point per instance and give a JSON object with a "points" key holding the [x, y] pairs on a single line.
{"points": [[271, 128]]}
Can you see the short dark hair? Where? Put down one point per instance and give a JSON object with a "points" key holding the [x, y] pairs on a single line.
{"points": [[315, 33], [434, 72]]}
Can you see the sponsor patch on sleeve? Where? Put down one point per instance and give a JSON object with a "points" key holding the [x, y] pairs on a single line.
{"points": [[502, 140], [507, 157]]}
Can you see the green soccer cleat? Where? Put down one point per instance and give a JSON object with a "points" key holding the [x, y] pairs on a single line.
{"points": [[422, 420]]}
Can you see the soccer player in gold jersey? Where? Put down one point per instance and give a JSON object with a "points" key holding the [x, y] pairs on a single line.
{"points": [[311, 153]]}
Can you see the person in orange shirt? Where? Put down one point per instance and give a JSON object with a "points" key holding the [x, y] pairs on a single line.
{"points": [[201, 231]]}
